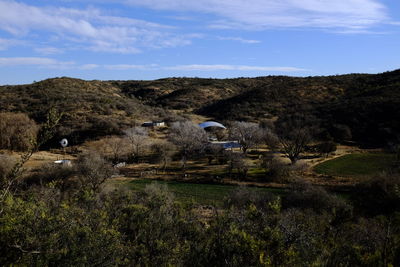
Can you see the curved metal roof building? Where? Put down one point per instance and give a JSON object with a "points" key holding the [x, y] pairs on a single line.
{"points": [[207, 124]]}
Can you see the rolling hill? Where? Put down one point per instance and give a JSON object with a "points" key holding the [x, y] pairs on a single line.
{"points": [[368, 104]]}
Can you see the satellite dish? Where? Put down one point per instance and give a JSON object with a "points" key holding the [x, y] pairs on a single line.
{"points": [[64, 142]]}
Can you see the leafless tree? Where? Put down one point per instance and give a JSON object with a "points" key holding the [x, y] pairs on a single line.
{"points": [[239, 162], [214, 151], [117, 146], [93, 170], [270, 139], [295, 142], [137, 137], [294, 135], [248, 134], [189, 138], [164, 151]]}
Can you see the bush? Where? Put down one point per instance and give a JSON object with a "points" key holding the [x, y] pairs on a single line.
{"points": [[93, 170], [276, 170], [17, 131], [60, 176], [243, 197], [6, 165], [305, 196], [327, 147], [379, 195]]}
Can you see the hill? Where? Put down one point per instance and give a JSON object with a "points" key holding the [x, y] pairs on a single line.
{"points": [[366, 104], [91, 108]]}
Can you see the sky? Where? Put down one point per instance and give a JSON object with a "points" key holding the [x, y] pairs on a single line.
{"points": [[152, 39]]}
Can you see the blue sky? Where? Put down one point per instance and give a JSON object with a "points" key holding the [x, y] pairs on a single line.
{"points": [[150, 39]]}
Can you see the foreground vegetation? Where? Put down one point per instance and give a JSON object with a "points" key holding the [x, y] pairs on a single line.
{"points": [[46, 226]]}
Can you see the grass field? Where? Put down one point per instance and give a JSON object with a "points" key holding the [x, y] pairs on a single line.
{"points": [[356, 165], [198, 193]]}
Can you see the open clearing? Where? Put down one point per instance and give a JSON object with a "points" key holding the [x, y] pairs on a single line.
{"points": [[356, 165]]}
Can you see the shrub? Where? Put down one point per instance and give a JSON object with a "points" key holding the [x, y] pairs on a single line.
{"points": [[17, 131], [243, 197], [6, 164], [379, 195], [306, 196]]}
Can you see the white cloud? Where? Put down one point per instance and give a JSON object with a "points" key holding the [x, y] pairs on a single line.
{"points": [[262, 14], [50, 63], [89, 66], [35, 61], [6, 43], [90, 28], [198, 67], [239, 39], [48, 50], [131, 67]]}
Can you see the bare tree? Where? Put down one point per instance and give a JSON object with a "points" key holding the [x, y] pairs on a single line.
{"points": [[270, 139], [294, 134], [137, 137], [239, 162], [214, 151], [164, 151], [189, 138], [248, 134], [116, 146], [93, 170]]}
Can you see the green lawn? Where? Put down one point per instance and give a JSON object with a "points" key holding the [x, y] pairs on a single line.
{"points": [[198, 193], [356, 165]]}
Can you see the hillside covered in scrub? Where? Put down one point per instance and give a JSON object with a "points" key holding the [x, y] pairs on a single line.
{"points": [[364, 103]]}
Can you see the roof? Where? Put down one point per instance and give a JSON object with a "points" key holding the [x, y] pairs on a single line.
{"points": [[207, 124]]}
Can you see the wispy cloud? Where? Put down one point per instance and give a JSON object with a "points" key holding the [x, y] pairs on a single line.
{"points": [[89, 28], [46, 62], [48, 50], [89, 66], [262, 14], [34, 61], [239, 39], [6, 43], [132, 67], [197, 67]]}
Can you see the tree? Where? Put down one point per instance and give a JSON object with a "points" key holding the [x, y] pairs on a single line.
{"points": [[164, 151], [93, 171], [239, 162], [248, 134], [341, 132], [137, 137], [116, 146], [327, 147], [17, 131], [214, 151], [294, 133], [44, 134], [270, 139], [189, 138]]}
